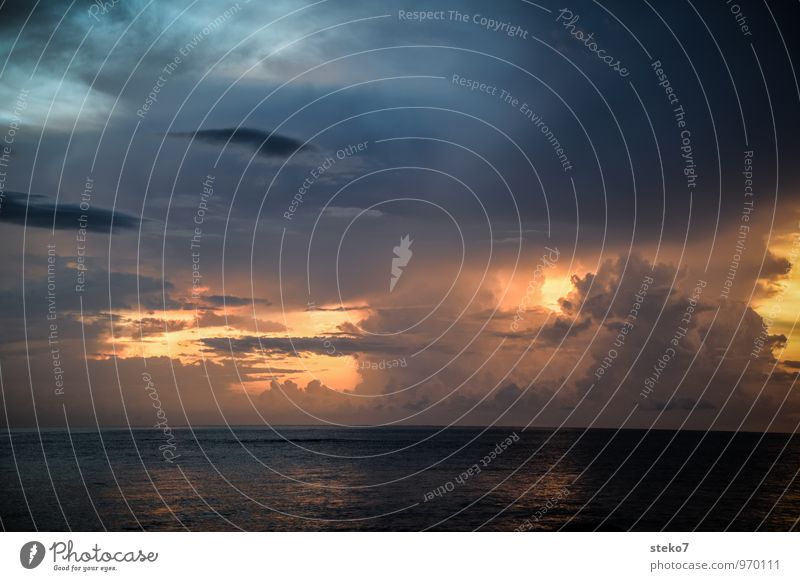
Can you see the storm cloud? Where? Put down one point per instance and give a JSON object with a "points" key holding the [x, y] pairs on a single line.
{"points": [[38, 211], [265, 143]]}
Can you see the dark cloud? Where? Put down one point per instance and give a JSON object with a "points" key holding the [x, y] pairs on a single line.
{"points": [[339, 309], [233, 301], [775, 266], [266, 143], [675, 377], [43, 213], [551, 334], [608, 294], [563, 328], [348, 328], [295, 345], [152, 326]]}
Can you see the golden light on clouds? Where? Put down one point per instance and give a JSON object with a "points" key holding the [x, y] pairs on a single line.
{"points": [[781, 308], [180, 335]]}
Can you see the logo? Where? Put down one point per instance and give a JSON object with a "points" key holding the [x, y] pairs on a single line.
{"points": [[402, 254], [31, 554]]}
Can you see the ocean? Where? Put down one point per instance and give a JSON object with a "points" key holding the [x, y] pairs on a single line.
{"points": [[402, 478]]}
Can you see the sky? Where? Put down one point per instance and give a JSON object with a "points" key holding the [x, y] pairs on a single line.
{"points": [[383, 213]]}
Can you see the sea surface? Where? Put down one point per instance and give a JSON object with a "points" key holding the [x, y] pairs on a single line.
{"points": [[321, 478]]}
